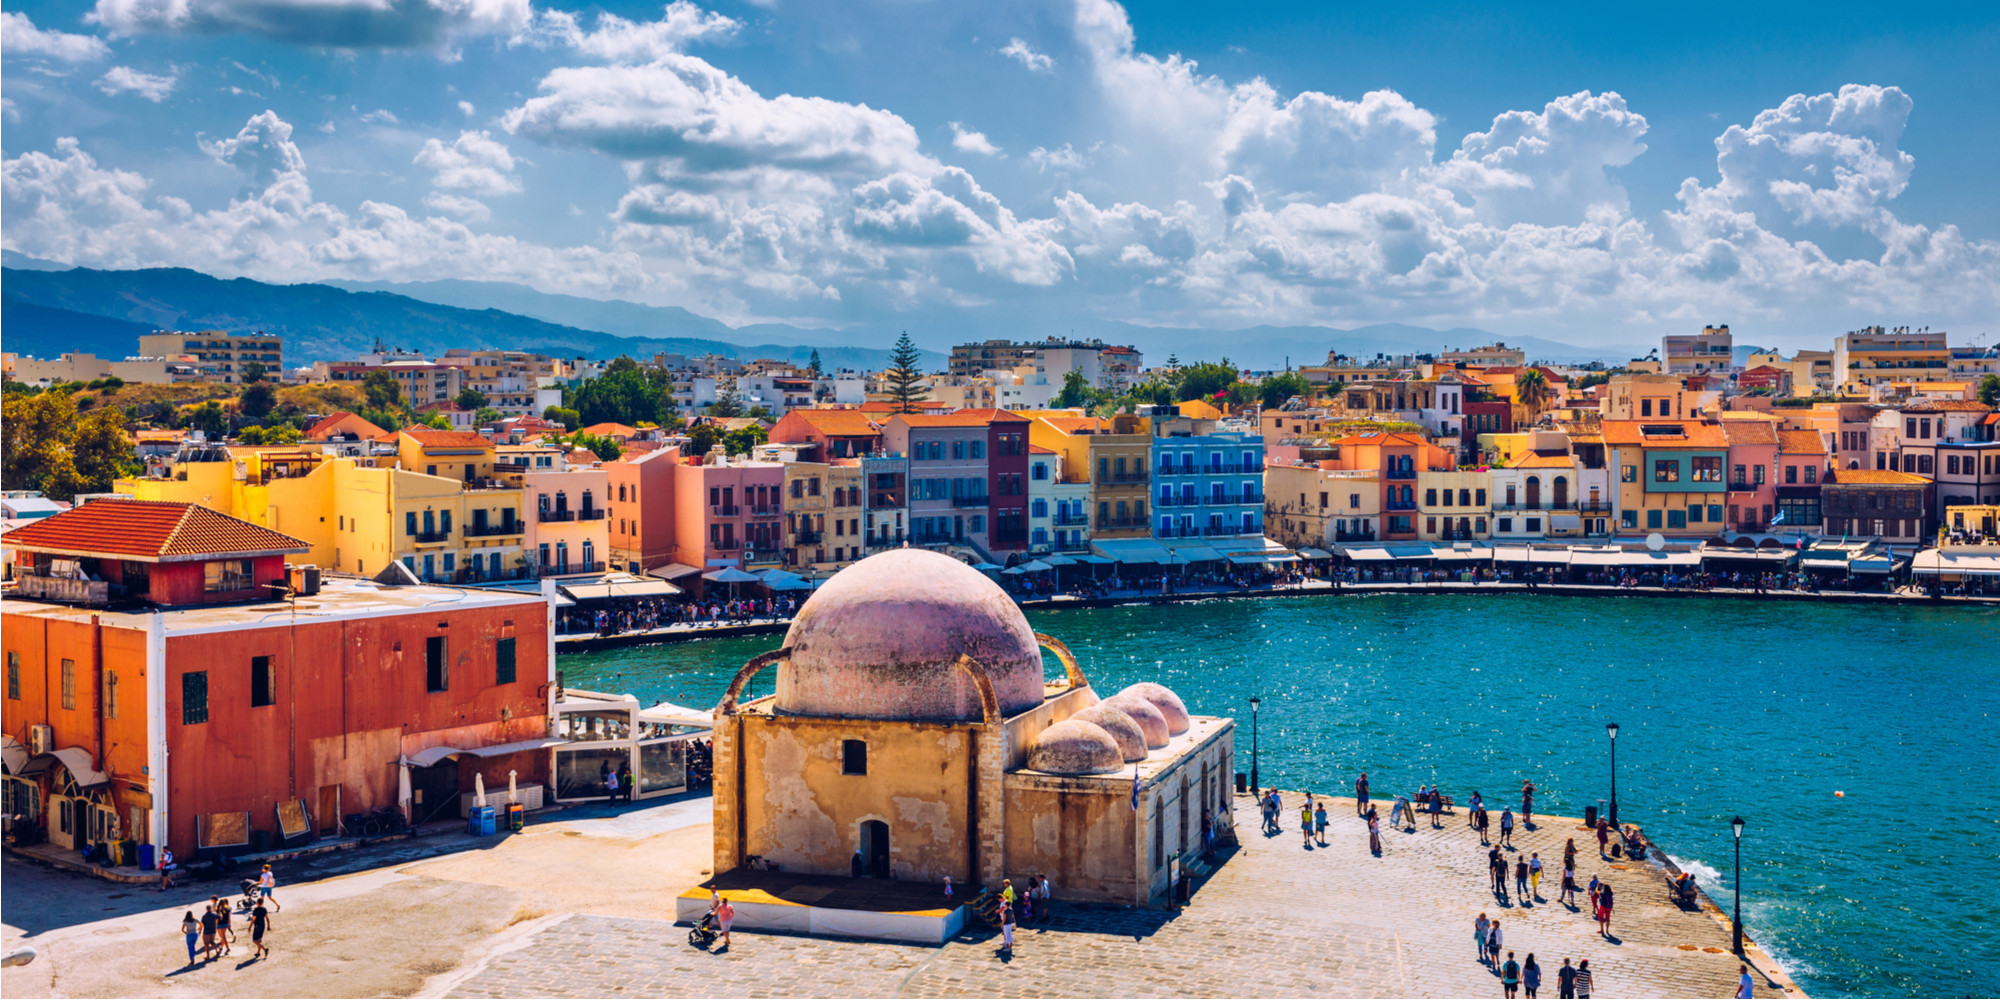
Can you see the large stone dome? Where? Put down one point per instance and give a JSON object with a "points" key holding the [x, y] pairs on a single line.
{"points": [[880, 639]]}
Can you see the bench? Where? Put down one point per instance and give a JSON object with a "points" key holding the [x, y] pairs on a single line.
{"points": [[1679, 892], [1424, 808]]}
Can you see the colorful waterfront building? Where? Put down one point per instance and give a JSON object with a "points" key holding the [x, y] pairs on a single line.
{"points": [[1454, 505], [569, 530], [1670, 475], [1398, 457], [1753, 461], [1802, 468], [1894, 507], [1208, 479], [1316, 504], [171, 683]]}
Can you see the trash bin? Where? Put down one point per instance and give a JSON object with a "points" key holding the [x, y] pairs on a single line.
{"points": [[479, 822], [148, 855], [517, 816], [1590, 816], [1242, 783]]}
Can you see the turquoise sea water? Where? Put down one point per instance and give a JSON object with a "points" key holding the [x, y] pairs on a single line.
{"points": [[1762, 709]]}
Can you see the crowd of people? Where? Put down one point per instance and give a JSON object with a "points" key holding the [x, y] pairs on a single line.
{"points": [[641, 614], [212, 935]]}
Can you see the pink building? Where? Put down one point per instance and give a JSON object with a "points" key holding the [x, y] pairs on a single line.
{"points": [[1753, 462], [727, 511], [639, 510]]}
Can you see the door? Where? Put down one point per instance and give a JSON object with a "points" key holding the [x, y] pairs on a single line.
{"points": [[1534, 493], [434, 791], [329, 810], [62, 822], [875, 848], [1562, 492]]}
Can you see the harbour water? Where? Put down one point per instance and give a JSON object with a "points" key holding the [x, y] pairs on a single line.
{"points": [[1724, 708]]}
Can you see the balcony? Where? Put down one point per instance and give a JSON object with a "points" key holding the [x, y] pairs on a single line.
{"points": [[1347, 535], [431, 537], [1745, 487], [765, 510], [936, 538], [726, 545], [550, 514], [1399, 474], [724, 510], [884, 541], [1071, 520], [570, 569], [482, 484], [471, 574], [1140, 476], [1401, 505], [1123, 522], [978, 501], [1071, 545], [72, 590], [507, 527], [1191, 531], [808, 537], [1594, 506]]}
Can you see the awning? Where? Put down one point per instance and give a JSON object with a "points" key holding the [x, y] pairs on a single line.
{"points": [[1246, 546], [1034, 566], [75, 759], [669, 714], [13, 753], [1932, 562], [1058, 559], [632, 587], [1661, 560], [1749, 555], [1195, 553], [1565, 522], [986, 567], [1882, 564], [1369, 554], [1823, 563], [1312, 553], [431, 755], [1596, 557], [1094, 559], [1131, 550], [1510, 553], [1257, 558], [672, 571], [1550, 557], [1406, 553], [730, 574]]}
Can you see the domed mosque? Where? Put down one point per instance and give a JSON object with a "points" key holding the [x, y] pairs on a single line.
{"points": [[913, 736]]}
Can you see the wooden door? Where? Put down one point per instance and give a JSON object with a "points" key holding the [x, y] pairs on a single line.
{"points": [[328, 814], [62, 822]]}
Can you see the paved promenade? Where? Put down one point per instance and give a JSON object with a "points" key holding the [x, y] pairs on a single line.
{"points": [[1275, 920]]}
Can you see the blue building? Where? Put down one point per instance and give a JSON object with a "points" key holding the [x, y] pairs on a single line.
{"points": [[1208, 482]]}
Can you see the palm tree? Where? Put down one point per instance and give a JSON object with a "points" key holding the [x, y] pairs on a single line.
{"points": [[1531, 393]]}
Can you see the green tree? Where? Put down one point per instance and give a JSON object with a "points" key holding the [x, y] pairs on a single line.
{"points": [[208, 418], [438, 421], [813, 365], [741, 440], [703, 437], [905, 375], [382, 391], [488, 416], [622, 395], [256, 400], [45, 446], [570, 419], [253, 372], [1989, 390], [1531, 393], [1075, 391], [606, 448], [470, 399], [1274, 391], [1204, 379], [727, 402]]}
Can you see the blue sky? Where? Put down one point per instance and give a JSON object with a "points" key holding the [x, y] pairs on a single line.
{"points": [[1590, 173]]}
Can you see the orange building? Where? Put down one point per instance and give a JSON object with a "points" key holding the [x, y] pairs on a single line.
{"points": [[1399, 457], [169, 680]]}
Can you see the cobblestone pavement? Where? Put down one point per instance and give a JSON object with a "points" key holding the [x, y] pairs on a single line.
{"points": [[1275, 920]]}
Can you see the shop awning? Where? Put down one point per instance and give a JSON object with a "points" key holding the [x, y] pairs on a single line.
{"points": [[1933, 562], [1510, 553], [431, 755], [1882, 564], [1312, 553], [1058, 559], [1094, 559], [1373, 553], [1550, 557], [1256, 558], [1565, 522], [1195, 553], [13, 753], [1661, 560], [1749, 555], [1596, 557], [1824, 563], [1407, 553], [1131, 550], [672, 571], [631, 586], [75, 759], [667, 713]]}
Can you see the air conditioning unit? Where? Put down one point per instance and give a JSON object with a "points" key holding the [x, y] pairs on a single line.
{"points": [[41, 739]]}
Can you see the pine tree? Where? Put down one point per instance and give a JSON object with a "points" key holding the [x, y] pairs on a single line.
{"points": [[905, 378], [813, 365]]}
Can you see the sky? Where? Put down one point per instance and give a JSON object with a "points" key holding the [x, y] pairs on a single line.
{"points": [[1580, 172]]}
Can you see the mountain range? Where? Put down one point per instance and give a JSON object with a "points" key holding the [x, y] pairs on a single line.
{"points": [[47, 309]]}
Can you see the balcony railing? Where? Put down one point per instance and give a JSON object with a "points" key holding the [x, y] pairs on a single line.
{"points": [[1224, 469], [571, 514], [1071, 545], [724, 509], [1738, 487], [1401, 505], [490, 530], [1140, 476], [936, 538], [978, 501], [765, 510], [1191, 531], [808, 537], [727, 545], [1123, 522], [883, 542], [1072, 520], [432, 537], [570, 569], [1399, 473], [469, 574], [1348, 535]]}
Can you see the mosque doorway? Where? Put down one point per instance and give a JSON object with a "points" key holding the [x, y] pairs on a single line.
{"points": [[875, 848]]}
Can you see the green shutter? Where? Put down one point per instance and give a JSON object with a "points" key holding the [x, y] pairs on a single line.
{"points": [[503, 658]]}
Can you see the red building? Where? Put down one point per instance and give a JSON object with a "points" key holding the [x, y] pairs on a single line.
{"points": [[169, 681]]}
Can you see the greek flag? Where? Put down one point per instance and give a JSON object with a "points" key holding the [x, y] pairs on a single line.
{"points": [[1135, 788]]}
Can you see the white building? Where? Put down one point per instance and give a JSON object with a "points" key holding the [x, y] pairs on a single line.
{"points": [[1711, 350]]}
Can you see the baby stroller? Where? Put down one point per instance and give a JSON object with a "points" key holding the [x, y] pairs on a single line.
{"points": [[704, 933]]}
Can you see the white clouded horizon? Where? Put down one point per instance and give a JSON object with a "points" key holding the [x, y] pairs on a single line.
{"points": [[1191, 200]]}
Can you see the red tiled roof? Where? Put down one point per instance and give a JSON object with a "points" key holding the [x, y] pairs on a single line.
{"points": [[839, 423], [341, 423], [1692, 434], [962, 418], [1035, 449], [1876, 477], [150, 531], [610, 429], [1801, 443], [1749, 432], [433, 438], [1396, 440], [1957, 405]]}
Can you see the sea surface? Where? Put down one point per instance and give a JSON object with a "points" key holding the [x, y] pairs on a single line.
{"points": [[1860, 744]]}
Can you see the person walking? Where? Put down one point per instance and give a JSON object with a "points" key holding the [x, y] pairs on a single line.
{"points": [[1480, 823], [1565, 981], [1496, 869], [1475, 809], [167, 867], [1319, 822], [1531, 977], [1569, 854], [1746, 987], [1493, 941], [1479, 935], [1507, 827], [209, 922], [1595, 887], [1569, 886], [610, 787], [225, 931], [260, 921], [725, 915], [267, 884], [1535, 874], [1510, 976], [625, 781], [1521, 877], [1584, 979], [1603, 836], [1006, 927], [192, 929], [1604, 910], [1306, 821], [1361, 795]]}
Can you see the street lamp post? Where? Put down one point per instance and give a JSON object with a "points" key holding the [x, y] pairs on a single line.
{"points": [[1256, 787], [1737, 825], [1612, 729]]}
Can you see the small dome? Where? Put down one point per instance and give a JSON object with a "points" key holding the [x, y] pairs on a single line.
{"points": [[1150, 720], [1164, 699], [881, 640], [1075, 747], [1131, 739]]}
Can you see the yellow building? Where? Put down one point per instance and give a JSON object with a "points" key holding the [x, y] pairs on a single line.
{"points": [[1114, 456], [823, 515], [1454, 505]]}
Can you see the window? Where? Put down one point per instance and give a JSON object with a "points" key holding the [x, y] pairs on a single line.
{"points": [[262, 682], [1041, 508], [1430, 497], [1479, 497], [958, 449], [853, 756], [978, 449], [1812, 474], [111, 694], [226, 576], [1505, 524], [1629, 518], [1707, 469], [1626, 474], [1923, 465], [503, 661], [1653, 519], [1666, 470], [194, 697], [437, 672], [1041, 471], [1791, 475], [69, 684], [1354, 501], [1534, 525], [14, 675], [1693, 514]]}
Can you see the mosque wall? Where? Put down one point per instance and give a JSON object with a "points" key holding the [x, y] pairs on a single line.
{"points": [[1079, 832]]}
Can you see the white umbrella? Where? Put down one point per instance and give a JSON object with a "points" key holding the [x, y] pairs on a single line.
{"points": [[403, 787], [1014, 571], [479, 789], [1034, 566], [513, 792], [1058, 559], [985, 567]]}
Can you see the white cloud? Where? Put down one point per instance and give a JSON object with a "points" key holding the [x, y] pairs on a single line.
{"points": [[618, 40], [20, 37], [1064, 157], [458, 206], [1021, 52], [967, 141], [381, 116], [331, 23], [475, 163], [124, 79], [465, 108]]}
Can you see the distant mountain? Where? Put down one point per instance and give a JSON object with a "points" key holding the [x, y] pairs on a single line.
{"points": [[81, 333], [46, 309]]}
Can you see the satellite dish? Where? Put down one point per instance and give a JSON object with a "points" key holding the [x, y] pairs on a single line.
{"points": [[1656, 541]]}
